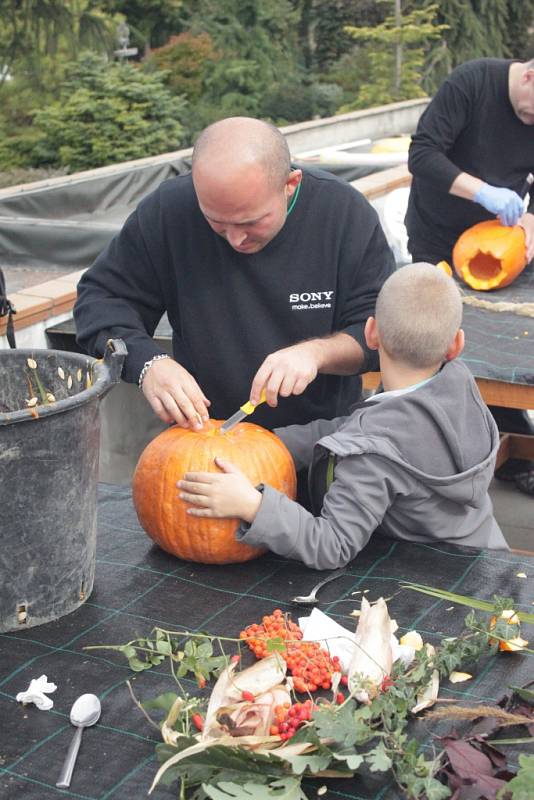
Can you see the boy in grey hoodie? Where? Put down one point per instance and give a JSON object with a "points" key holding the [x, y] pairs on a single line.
{"points": [[414, 462]]}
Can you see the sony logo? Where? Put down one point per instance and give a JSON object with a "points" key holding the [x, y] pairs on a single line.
{"points": [[306, 297]]}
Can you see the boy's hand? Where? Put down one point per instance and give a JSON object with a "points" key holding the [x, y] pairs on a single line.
{"points": [[216, 494]]}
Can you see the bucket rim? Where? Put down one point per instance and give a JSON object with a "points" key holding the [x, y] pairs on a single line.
{"points": [[103, 377]]}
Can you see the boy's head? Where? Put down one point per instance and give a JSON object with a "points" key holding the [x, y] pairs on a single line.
{"points": [[418, 317]]}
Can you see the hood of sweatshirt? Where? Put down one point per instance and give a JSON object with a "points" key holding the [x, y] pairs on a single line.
{"points": [[441, 433]]}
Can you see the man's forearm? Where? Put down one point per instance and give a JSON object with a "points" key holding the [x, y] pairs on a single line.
{"points": [[465, 186], [338, 354]]}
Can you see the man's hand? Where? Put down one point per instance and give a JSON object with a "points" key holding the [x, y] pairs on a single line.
{"points": [[174, 394], [291, 370], [216, 494], [286, 372], [504, 202], [527, 223]]}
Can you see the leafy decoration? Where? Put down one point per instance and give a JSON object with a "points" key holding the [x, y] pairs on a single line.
{"points": [[339, 739]]}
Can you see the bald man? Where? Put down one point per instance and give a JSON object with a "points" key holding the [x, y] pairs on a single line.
{"points": [[267, 274]]}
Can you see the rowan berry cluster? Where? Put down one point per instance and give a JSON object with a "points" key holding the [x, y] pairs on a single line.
{"points": [[273, 626], [311, 667], [289, 718]]}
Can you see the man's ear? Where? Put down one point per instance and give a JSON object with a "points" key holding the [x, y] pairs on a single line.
{"points": [[371, 333], [456, 346], [295, 177]]}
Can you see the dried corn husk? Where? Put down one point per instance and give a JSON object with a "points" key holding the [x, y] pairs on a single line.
{"points": [[428, 696], [372, 659], [261, 677]]}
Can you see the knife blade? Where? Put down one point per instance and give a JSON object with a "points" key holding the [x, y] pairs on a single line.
{"points": [[240, 415]]}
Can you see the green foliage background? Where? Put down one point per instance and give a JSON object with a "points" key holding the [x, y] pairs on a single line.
{"points": [[68, 102]]}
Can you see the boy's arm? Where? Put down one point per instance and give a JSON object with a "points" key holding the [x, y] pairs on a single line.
{"points": [[353, 508], [301, 439]]}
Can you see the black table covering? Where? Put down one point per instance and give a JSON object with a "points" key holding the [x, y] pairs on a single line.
{"points": [[500, 345], [139, 586]]}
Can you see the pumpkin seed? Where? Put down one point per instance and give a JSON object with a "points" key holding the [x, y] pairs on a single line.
{"points": [[50, 397], [61, 373], [79, 375], [31, 402], [31, 363], [69, 382]]}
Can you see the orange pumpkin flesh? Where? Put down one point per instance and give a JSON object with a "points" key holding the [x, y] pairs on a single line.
{"points": [[490, 255], [255, 451]]}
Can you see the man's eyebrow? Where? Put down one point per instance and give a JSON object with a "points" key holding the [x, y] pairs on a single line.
{"points": [[243, 222]]}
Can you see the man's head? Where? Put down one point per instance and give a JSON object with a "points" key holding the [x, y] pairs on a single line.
{"points": [[418, 316], [521, 90], [243, 181]]}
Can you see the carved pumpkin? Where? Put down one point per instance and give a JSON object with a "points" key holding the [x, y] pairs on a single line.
{"points": [[255, 451], [490, 255]]}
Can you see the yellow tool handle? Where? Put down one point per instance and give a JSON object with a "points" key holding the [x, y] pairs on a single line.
{"points": [[248, 408]]}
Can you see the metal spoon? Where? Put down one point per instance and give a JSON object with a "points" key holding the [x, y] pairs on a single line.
{"points": [[85, 711], [311, 599]]}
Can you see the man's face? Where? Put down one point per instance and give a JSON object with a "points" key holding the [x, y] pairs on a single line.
{"points": [[249, 212], [523, 100]]}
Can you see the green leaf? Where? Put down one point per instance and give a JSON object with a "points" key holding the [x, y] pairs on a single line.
{"points": [[430, 789], [276, 645], [164, 647], [520, 787], [128, 650], [204, 650], [524, 694], [137, 665], [309, 763], [164, 701], [472, 602], [338, 724], [283, 789], [352, 760], [377, 759]]}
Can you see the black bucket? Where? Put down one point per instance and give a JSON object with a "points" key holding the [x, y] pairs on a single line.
{"points": [[49, 443]]}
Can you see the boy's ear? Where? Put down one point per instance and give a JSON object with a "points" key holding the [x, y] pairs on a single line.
{"points": [[456, 346], [371, 333]]}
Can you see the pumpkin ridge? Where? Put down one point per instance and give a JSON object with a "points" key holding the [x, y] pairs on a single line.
{"points": [[163, 515]]}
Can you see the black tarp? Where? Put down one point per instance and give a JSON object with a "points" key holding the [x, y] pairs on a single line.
{"points": [[138, 586], [71, 221]]}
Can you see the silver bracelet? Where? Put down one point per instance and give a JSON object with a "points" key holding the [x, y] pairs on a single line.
{"points": [[147, 366]]}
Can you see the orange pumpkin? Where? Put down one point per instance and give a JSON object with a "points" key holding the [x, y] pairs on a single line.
{"points": [[444, 267], [490, 255], [258, 453]]}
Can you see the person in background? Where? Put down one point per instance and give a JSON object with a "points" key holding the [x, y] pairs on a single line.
{"points": [[413, 462], [267, 274], [469, 157]]}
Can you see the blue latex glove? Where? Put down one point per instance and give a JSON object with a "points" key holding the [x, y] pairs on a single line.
{"points": [[504, 202]]}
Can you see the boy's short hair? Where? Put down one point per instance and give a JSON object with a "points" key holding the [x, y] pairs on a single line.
{"points": [[418, 313]]}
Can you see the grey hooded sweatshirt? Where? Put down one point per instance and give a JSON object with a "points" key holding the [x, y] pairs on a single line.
{"points": [[416, 466]]}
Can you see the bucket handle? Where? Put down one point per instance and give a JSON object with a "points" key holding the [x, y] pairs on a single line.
{"points": [[114, 355]]}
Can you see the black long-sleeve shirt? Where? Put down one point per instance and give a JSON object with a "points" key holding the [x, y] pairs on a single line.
{"points": [[228, 310], [469, 126]]}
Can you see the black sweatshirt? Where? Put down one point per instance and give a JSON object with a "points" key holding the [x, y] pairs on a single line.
{"points": [[228, 310], [470, 126]]}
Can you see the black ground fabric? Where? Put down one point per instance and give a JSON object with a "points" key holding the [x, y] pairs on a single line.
{"points": [[138, 586], [500, 345]]}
